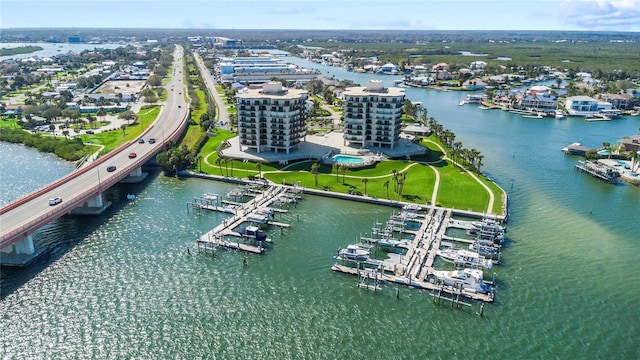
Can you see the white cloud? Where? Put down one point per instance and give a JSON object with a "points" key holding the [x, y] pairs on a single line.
{"points": [[613, 15]]}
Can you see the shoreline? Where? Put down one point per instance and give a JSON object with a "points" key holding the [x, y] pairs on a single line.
{"points": [[360, 198]]}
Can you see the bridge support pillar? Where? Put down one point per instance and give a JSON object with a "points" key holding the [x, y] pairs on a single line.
{"points": [[21, 253], [93, 206], [95, 202], [136, 176], [136, 172], [24, 246]]}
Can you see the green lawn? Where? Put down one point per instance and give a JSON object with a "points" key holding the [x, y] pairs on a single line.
{"points": [[114, 138], [460, 191], [194, 130]]}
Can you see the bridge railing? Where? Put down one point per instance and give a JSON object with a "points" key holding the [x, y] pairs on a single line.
{"points": [[66, 206]]}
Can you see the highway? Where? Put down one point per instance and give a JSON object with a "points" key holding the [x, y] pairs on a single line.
{"points": [[25, 216]]}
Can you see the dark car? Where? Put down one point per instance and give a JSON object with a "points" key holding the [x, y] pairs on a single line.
{"points": [[152, 141], [111, 168], [132, 155], [141, 141], [90, 132]]}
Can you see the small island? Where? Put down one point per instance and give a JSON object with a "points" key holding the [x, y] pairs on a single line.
{"points": [[19, 50]]}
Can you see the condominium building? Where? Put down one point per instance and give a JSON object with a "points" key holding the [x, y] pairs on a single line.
{"points": [[372, 115], [271, 118]]}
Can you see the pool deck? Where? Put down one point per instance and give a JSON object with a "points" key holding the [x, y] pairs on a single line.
{"points": [[321, 146]]}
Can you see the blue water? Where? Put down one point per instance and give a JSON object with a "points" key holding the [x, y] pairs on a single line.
{"points": [[348, 159], [122, 285]]}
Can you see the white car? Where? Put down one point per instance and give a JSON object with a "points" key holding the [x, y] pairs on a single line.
{"points": [[55, 201]]}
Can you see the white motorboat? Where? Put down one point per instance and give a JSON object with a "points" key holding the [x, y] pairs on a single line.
{"points": [[465, 258], [412, 207], [559, 114], [468, 279], [234, 194], [483, 248], [354, 252], [487, 223]]}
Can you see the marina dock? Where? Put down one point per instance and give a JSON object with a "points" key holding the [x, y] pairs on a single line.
{"points": [[254, 211], [416, 267]]}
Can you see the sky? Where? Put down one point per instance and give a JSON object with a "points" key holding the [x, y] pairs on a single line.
{"points": [[574, 15]]}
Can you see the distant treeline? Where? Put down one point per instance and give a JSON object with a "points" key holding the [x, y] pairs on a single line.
{"points": [[67, 149], [19, 50], [253, 37]]}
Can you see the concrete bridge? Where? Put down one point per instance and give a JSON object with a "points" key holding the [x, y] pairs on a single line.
{"points": [[81, 191]]}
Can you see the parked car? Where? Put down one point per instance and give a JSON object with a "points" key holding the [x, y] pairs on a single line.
{"points": [[132, 155], [111, 168], [141, 141], [55, 201], [152, 141]]}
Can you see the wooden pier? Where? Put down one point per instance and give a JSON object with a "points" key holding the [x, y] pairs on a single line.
{"points": [[223, 234], [599, 171]]}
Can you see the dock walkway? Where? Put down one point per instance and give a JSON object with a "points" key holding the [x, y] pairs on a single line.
{"points": [[416, 266], [221, 234]]}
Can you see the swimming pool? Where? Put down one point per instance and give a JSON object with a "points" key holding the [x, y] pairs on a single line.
{"points": [[353, 160]]}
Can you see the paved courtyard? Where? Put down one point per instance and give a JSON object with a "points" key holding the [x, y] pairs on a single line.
{"points": [[322, 147]]}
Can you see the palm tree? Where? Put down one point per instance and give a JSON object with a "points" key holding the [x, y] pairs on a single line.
{"points": [[102, 113], [226, 166], [456, 150], [394, 172], [336, 166], [344, 171], [219, 163], [607, 146], [479, 162], [259, 167], [365, 181], [314, 171], [386, 185]]}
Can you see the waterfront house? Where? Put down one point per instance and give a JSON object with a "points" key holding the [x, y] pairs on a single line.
{"points": [[631, 143], [585, 106], [372, 115], [440, 67], [389, 69], [618, 101], [474, 84], [539, 102]]}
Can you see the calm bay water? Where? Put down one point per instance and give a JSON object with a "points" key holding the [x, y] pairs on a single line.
{"points": [[52, 49], [123, 286]]}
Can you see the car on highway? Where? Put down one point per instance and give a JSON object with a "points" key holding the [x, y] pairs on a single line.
{"points": [[55, 201], [111, 168], [132, 155], [141, 141], [152, 141]]}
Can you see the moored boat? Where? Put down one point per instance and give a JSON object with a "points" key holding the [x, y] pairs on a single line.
{"points": [[468, 279], [465, 258], [254, 232], [354, 252], [483, 248]]}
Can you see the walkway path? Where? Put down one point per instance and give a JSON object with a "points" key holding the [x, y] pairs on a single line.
{"points": [[221, 109], [491, 197]]}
